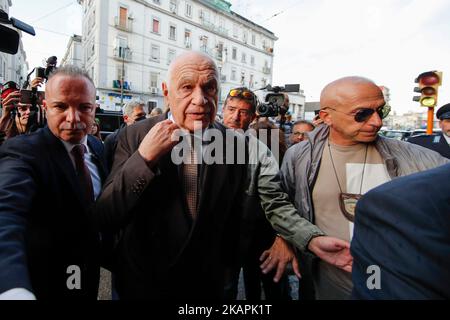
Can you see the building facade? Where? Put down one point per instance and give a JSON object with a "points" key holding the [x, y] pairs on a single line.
{"points": [[129, 44], [13, 67], [74, 52]]}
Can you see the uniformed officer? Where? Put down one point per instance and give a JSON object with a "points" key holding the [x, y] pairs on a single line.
{"points": [[437, 142]]}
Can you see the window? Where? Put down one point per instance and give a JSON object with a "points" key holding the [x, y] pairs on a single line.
{"points": [[172, 32], [244, 58], [244, 36], [173, 6], [233, 75], [155, 53], [204, 43], [219, 50], [123, 16], [187, 38], [235, 30], [253, 39], [171, 55], [91, 20], [153, 80], [252, 60], [157, 1], [204, 15], [234, 54], [121, 47], [92, 49], [251, 84], [155, 25], [188, 11], [243, 78]]}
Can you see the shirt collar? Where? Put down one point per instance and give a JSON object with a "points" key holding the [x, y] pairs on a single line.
{"points": [[69, 146], [447, 138]]}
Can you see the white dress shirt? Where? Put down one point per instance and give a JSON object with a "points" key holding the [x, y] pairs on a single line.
{"points": [[93, 170]]}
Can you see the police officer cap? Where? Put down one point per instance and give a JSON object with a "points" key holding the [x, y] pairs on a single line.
{"points": [[443, 112]]}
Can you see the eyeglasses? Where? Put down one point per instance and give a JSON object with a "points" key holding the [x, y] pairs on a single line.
{"points": [[243, 93], [363, 114], [299, 133]]}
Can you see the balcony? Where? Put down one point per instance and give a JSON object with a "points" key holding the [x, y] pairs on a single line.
{"points": [[122, 53], [266, 70], [124, 26], [212, 27], [126, 85]]}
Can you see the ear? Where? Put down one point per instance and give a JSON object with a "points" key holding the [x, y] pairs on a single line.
{"points": [[125, 118], [165, 89], [325, 116]]}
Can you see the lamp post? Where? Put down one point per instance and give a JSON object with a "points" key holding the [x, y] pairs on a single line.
{"points": [[122, 80]]}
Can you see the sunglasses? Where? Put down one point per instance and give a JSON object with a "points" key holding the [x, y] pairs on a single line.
{"points": [[364, 114], [243, 93]]}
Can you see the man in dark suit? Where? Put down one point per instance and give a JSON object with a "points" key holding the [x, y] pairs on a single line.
{"points": [[49, 248], [180, 221], [437, 142], [132, 112], [401, 244]]}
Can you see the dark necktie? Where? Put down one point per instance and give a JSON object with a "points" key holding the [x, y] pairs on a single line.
{"points": [[83, 174], [190, 183]]}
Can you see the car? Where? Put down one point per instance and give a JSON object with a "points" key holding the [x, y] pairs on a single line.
{"points": [[109, 122], [424, 131], [397, 134]]}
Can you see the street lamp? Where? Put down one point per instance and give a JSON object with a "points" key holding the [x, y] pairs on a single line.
{"points": [[122, 80]]}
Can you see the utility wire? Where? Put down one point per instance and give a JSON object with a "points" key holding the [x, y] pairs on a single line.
{"points": [[53, 12], [282, 11]]}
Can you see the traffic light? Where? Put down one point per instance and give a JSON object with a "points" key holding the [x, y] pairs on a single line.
{"points": [[429, 83]]}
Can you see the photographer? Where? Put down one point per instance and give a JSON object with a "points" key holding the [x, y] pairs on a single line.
{"points": [[18, 117]]}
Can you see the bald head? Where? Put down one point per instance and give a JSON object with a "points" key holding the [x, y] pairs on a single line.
{"points": [[202, 60], [191, 91], [341, 100], [341, 91]]}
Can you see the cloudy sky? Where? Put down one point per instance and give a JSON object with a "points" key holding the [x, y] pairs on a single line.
{"points": [[389, 41]]}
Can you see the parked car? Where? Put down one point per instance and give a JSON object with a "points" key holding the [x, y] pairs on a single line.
{"points": [[109, 122], [397, 134], [424, 131]]}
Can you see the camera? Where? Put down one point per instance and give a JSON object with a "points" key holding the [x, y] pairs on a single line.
{"points": [[27, 96], [275, 100], [10, 38], [50, 67]]}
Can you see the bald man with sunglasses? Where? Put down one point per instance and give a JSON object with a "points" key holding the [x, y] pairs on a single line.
{"points": [[326, 175]]}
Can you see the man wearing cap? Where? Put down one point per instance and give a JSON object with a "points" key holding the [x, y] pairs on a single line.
{"points": [[437, 142]]}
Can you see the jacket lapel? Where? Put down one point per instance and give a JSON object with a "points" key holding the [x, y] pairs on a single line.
{"points": [[63, 162]]}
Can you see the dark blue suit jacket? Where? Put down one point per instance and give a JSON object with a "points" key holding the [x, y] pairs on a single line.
{"points": [[45, 226], [434, 142], [404, 228]]}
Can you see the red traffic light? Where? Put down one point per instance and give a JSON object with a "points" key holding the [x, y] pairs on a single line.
{"points": [[429, 79], [429, 83]]}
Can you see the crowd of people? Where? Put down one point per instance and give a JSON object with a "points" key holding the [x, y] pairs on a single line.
{"points": [[329, 199]]}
